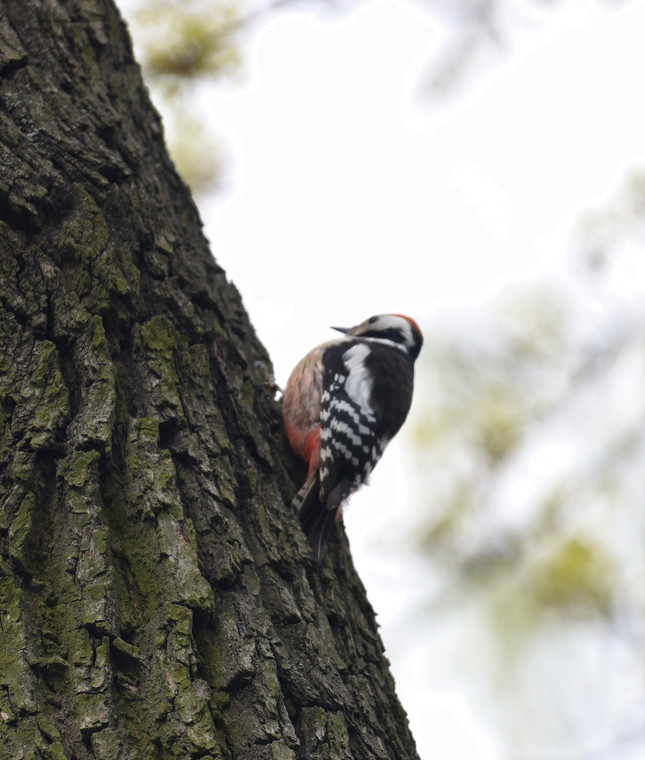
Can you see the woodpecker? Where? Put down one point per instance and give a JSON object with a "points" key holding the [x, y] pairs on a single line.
{"points": [[343, 403]]}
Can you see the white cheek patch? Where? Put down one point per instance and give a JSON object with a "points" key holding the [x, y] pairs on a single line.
{"points": [[358, 385], [400, 325], [408, 338]]}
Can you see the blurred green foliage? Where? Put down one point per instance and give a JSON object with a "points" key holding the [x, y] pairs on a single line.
{"points": [[530, 445], [503, 421], [574, 574], [182, 47], [187, 41]]}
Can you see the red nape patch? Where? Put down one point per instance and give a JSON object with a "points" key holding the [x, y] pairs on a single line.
{"points": [[305, 444], [411, 321]]}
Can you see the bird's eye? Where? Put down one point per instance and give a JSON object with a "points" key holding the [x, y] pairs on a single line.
{"points": [[371, 320]]}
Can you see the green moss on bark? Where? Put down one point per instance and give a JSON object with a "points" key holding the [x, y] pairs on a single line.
{"points": [[157, 596]]}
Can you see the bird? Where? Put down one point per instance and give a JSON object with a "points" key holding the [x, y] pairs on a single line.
{"points": [[343, 403]]}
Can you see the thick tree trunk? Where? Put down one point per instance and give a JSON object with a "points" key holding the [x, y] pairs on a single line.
{"points": [[158, 599]]}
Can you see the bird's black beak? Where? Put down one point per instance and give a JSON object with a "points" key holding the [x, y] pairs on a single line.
{"points": [[342, 329]]}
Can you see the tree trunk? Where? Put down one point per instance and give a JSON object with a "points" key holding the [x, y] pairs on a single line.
{"points": [[158, 599]]}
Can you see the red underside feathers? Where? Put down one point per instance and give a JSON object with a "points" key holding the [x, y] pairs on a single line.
{"points": [[306, 444]]}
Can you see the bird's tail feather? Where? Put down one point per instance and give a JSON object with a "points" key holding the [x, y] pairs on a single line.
{"points": [[316, 519]]}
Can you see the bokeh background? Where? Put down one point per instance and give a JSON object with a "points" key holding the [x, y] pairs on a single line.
{"points": [[479, 165]]}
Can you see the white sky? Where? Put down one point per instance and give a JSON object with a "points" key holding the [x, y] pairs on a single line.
{"points": [[347, 199], [351, 192]]}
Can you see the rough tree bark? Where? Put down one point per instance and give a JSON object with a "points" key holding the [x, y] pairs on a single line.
{"points": [[158, 599]]}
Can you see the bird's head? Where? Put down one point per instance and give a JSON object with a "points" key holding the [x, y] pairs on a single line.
{"points": [[396, 328]]}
